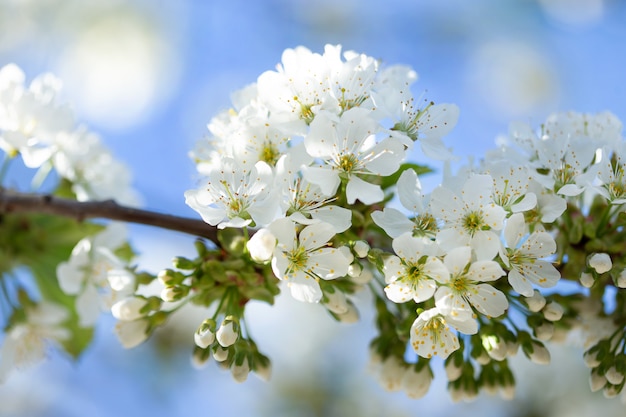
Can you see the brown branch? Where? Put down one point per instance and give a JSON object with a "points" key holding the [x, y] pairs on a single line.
{"points": [[17, 202]]}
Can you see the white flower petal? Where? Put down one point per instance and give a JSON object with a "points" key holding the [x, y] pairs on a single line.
{"points": [[366, 192]]}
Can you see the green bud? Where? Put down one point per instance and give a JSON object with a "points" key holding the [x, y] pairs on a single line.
{"points": [[169, 277], [200, 247], [172, 294], [180, 262], [200, 357]]}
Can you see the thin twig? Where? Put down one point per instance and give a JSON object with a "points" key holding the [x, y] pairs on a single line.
{"points": [[17, 202]]}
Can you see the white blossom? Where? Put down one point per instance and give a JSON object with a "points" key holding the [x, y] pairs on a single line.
{"points": [[431, 334], [347, 147], [524, 254], [466, 286], [235, 196], [90, 270], [470, 219], [413, 273], [25, 342], [301, 259]]}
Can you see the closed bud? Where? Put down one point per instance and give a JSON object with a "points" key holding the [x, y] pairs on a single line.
{"points": [[590, 358], [553, 311], [228, 333], [610, 391], [132, 333], [261, 245], [180, 262], [129, 308], [336, 302], [587, 280], [453, 370], [263, 368], [416, 383], [351, 316], [537, 352], [170, 278], [620, 281], [364, 277], [614, 376], [240, 371], [354, 270], [205, 334], [200, 357], [361, 248], [544, 331], [511, 347], [220, 354], [596, 381], [600, 262], [172, 294], [391, 374], [495, 347], [536, 302]]}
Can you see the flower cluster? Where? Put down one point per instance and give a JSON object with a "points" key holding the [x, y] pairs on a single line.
{"points": [[303, 157], [36, 125], [307, 184], [91, 261]]}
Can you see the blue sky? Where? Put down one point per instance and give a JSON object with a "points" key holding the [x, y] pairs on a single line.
{"points": [[149, 75]]}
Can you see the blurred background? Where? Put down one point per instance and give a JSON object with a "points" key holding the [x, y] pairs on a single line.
{"points": [[148, 75]]}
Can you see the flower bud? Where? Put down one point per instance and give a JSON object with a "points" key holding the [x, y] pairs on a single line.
{"points": [[263, 368], [361, 248], [351, 316], [453, 370], [220, 354], [391, 374], [596, 381], [200, 357], [536, 302], [172, 294], [132, 333], [205, 334], [537, 353], [600, 262], [587, 280], [620, 281], [129, 308], [553, 311], [364, 277], [170, 278], [416, 383], [590, 358], [544, 331], [354, 270], [614, 376], [337, 302], [228, 333], [181, 262], [240, 372], [261, 245], [610, 391], [495, 347]]}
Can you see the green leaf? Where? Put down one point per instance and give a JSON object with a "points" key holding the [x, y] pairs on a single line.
{"points": [[391, 180], [40, 242]]}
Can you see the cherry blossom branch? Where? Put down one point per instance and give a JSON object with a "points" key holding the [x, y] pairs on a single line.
{"points": [[17, 202]]}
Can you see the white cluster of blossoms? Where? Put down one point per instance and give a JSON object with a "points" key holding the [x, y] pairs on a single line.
{"points": [[302, 145], [96, 275], [36, 125], [306, 183]]}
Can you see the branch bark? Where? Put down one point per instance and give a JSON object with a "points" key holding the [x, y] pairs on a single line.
{"points": [[17, 202]]}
